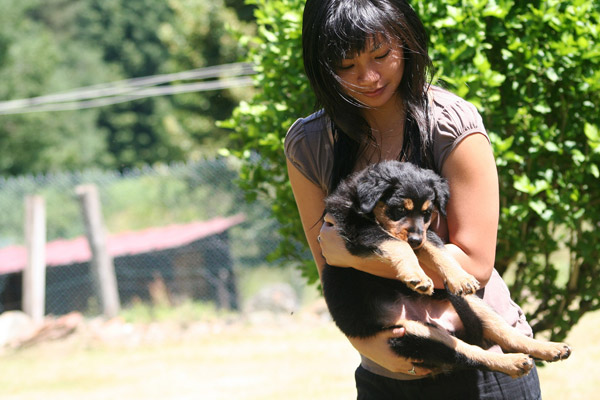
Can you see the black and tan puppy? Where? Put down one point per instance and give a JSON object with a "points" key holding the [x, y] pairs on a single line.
{"points": [[385, 211]]}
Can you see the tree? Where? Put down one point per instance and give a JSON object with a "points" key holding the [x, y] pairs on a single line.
{"points": [[532, 69], [33, 63], [258, 127], [60, 45], [126, 34], [203, 35]]}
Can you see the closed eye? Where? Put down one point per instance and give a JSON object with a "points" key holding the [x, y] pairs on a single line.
{"points": [[381, 57], [345, 67]]}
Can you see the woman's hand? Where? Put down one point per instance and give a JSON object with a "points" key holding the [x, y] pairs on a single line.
{"points": [[377, 349], [333, 247]]}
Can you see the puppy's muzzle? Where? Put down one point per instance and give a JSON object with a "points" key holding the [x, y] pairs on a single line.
{"points": [[415, 239]]}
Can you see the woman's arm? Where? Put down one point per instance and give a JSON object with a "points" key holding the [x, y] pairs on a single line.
{"points": [[310, 200], [473, 208]]}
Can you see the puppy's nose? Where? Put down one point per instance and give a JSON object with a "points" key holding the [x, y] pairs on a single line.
{"points": [[415, 239]]}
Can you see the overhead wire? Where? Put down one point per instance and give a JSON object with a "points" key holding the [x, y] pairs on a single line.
{"points": [[227, 76]]}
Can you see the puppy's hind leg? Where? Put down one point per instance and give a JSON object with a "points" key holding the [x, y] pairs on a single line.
{"points": [[438, 349], [499, 331]]}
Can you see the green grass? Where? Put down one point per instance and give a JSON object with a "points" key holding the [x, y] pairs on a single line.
{"points": [[185, 312], [290, 358]]}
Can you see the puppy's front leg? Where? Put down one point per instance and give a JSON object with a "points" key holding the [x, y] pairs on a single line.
{"points": [[403, 258], [457, 280]]}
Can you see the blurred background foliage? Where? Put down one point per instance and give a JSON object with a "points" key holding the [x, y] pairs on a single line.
{"points": [[53, 46]]}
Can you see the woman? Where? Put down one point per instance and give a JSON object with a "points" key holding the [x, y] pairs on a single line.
{"points": [[367, 63]]}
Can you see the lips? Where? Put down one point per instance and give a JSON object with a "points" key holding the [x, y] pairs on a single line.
{"points": [[374, 93]]}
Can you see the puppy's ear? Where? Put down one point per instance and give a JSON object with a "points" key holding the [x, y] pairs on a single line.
{"points": [[370, 190], [442, 193]]}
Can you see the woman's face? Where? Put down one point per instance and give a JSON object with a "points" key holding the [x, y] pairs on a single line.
{"points": [[372, 77]]}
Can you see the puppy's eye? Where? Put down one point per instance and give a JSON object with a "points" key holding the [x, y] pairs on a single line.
{"points": [[427, 215], [396, 214]]}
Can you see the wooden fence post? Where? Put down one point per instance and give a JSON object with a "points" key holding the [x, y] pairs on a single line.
{"points": [[34, 274], [102, 263]]}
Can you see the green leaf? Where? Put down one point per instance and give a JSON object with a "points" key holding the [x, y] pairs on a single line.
{"points": [[542, 108], [592, 132], [523, 184], [541, 209], [502, 145], [481, 62], [552, 75]]}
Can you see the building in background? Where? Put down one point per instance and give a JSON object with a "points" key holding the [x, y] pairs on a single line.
{"points": [[183, 261]]}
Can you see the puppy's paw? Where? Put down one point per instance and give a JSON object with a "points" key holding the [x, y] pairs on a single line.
{"points": [[420, 284], [516, 365], [462, 283], [551, 351]]}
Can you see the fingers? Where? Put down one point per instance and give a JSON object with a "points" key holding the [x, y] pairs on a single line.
{"points": [[333, 246], [329, 220], [398, 332], [327, 231], [410, 366]]}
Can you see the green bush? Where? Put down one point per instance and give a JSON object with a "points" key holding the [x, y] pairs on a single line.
{"points": [[532, 69], [259, 127]]}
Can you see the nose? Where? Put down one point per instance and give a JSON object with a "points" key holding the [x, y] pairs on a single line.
{"points": [[415, 238], [368, 74]]}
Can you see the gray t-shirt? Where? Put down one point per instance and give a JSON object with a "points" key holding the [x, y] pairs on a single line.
{"points": [[309, 147], [309, 141]]}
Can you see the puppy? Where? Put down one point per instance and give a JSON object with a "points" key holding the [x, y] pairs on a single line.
{"points": [[384, 211]]}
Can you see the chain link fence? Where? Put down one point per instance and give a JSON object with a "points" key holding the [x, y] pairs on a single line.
{"points": [[178, 232]]}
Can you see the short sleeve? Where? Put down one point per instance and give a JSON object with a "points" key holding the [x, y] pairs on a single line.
{"points": [[454, 119], [308, 146]]}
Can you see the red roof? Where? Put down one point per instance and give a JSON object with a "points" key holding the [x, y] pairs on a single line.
{"points": [[65, 252]]}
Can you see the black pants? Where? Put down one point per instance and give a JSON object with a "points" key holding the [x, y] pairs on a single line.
{"points": [[460, 385]]}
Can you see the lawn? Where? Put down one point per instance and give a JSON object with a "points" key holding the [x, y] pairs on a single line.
{"points": [[292, 357]]}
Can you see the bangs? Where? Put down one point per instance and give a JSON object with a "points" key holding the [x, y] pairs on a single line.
{"points": [[352, 28]]}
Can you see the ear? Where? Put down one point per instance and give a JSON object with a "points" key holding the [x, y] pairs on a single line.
{"points": [[442, 193], [369, 191]]}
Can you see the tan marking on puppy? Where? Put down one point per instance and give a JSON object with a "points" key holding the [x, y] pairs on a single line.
{"points": [[515, 364], [394, 228], [403, 258], [409, 204], [457, 279], [426, 205], [380, 217]]}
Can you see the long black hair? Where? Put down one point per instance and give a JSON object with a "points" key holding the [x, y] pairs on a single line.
{"points": [[335, 29]]}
